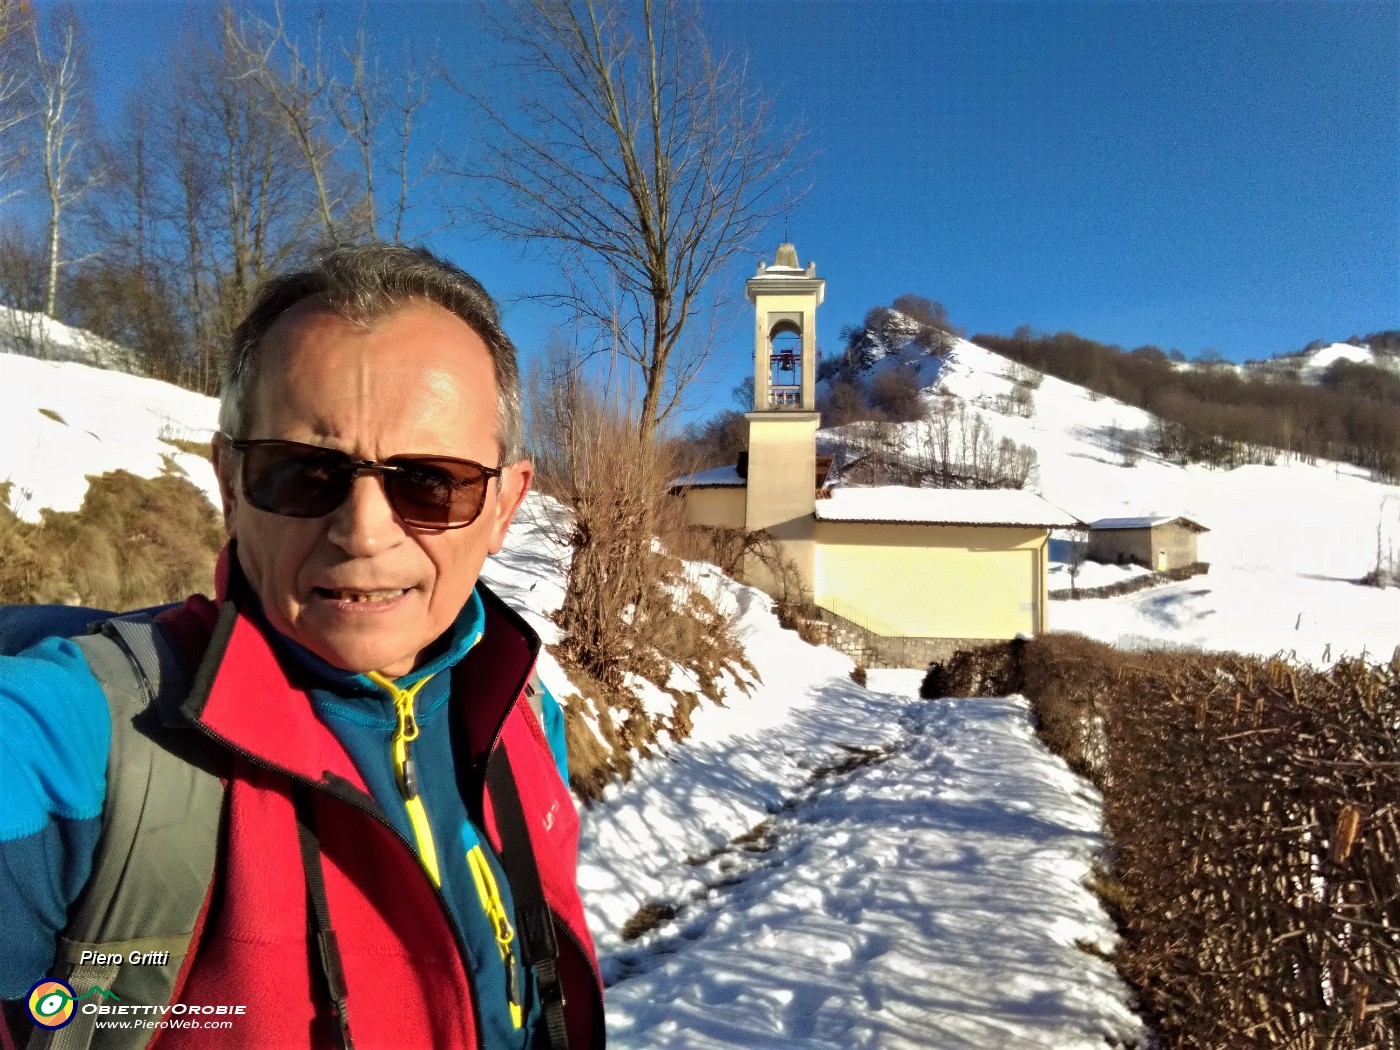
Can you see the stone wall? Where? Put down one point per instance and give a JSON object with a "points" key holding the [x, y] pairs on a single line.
{"points": [[873, 650], [1179, 543]]}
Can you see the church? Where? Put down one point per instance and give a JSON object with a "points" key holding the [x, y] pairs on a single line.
{"points": [[947, 566]]}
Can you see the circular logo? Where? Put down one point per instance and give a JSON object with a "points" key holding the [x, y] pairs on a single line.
{"points": [[51, 1004]]}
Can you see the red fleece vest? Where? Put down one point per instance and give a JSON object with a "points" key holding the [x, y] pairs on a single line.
{"points": [[407, 978]]}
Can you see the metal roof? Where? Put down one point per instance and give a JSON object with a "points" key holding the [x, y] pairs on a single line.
{"points": [[1144, 523]]}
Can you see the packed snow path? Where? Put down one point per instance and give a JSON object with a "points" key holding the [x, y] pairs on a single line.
{"points": [[927, 896]]}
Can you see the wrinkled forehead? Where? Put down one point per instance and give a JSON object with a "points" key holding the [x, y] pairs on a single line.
{"points": [[418, 377]]}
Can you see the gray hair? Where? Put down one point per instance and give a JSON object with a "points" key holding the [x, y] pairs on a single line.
{"points": [[366, 283]]}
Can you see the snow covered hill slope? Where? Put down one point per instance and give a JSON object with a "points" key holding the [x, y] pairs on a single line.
{"points": [[63, 421], [1285, 544], [1311, 365], [40, 336]]}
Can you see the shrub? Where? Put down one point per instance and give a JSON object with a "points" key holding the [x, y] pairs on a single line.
{"points": [[845, 403], [1251, 807], [895, 392], [134, 542], [627, 608]]}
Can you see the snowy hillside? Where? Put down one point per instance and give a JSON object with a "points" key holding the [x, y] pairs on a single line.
{"points": [[1285, 544], [64, 421], [40, 336], [1311, 365]]}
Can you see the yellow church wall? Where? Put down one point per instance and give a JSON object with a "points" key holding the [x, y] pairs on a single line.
{"points": [[716, 507], [934, 581]]}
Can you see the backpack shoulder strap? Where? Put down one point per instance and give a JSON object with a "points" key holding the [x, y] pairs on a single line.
{"points": [[533, 921], [155, 858]]}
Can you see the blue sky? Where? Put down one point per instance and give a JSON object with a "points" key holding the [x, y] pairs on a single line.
{"points": [[1195, 175]]}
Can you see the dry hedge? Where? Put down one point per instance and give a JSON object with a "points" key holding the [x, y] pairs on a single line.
{"points": [[1252, 809]]}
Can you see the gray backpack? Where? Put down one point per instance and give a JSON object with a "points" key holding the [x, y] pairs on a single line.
{"points": [[151, 873]]}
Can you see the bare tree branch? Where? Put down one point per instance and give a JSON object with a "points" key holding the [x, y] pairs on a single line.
{"points": [[14, 82], [296, 90], [637, 161]]}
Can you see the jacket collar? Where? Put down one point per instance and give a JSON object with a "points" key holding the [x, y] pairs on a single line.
{"points": [[246, 697]]}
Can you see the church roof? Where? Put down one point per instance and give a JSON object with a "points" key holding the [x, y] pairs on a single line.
{"points": [[898, 503], [715, 477]]}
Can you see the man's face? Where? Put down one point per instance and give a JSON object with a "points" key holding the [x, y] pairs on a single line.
{"points": [[419, 381]]}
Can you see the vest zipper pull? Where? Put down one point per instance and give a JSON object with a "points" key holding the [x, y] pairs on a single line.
{"points": [[512, 980], [409, 784]]}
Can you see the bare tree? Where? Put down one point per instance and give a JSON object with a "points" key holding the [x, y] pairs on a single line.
{"points": [[1078, 549], [205, 200], [296, 89], [640, 162], [348, 120], [211, 189], [14, 80], [61, 107], [360, 102], [1387, 570], [583, 427], [237, 212]]}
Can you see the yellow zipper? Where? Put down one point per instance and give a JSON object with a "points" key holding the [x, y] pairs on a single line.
{"points": [[486, 887], [406, 771], [490, 894]]}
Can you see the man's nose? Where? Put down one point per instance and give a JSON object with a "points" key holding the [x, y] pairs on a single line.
{"points": [[365, 524]]}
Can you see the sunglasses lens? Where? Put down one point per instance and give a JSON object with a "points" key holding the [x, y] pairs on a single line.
{"points": [[436, 493], [294, 480]]}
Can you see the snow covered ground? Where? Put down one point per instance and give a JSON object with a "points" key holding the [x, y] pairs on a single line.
{"points": [[38, 335], [842, 867], [930, 897], [64, 421]]}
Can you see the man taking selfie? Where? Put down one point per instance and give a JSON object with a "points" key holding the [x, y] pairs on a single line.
{"points": [[332, 799]]}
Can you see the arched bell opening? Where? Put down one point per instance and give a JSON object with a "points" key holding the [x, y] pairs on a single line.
{"points": [[785, 366]]}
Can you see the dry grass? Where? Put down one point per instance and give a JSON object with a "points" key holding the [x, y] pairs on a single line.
{"points": [[134, 542], [53, 415], [628, 610], [648, 917], [592, 761], [195, 448]]}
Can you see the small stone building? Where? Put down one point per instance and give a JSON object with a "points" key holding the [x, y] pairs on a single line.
{"points": [[1160, 544]]}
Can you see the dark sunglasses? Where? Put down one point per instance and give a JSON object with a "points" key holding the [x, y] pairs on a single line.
{"points": [[309, 481]]}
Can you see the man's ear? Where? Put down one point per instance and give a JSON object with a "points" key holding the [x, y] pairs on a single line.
{"points": [[514, 483], [225, 464]]}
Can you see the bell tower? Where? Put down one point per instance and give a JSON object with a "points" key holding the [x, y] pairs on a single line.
{"points": [[782, 460]]}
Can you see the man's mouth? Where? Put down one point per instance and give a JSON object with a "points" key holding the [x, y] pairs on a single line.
{"points": [[361, 596]]}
